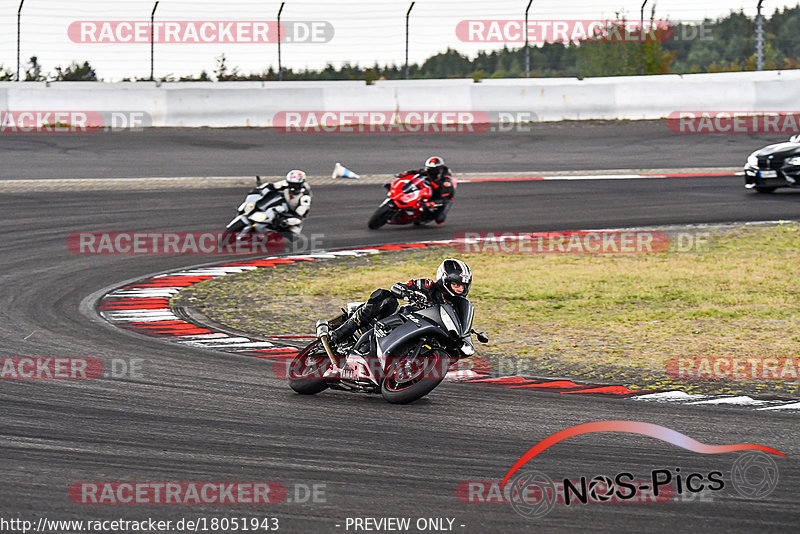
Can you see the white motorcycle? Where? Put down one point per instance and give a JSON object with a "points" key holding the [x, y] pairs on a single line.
{"points": [[262, 211]]}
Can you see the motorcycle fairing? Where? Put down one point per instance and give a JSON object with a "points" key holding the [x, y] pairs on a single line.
{"points": [[413, 328]]}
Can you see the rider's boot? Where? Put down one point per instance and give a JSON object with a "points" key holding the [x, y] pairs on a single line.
{"points": [[346, 329], [441, 215]]}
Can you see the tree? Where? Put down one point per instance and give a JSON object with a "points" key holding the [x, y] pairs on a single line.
{"points": [[449, 64], [202, 78], [34, 71], [616, 51], [76, 73], [222, 70], [724, 44]]}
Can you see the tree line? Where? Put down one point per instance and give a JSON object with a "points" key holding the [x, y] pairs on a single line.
{"points": [[726, 44]]}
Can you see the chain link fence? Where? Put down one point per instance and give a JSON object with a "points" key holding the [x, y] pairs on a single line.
{"points": [[214, 40]]}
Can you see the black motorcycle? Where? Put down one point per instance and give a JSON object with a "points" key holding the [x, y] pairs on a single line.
{"points": [[403, 357]]}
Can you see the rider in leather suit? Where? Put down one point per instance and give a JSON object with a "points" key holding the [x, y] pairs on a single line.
{"points": [[453, 279], [442, 183], [296, 195]]}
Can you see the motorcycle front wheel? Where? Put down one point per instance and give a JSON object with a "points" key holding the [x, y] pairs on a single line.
{"points": [[308, 368], [228, 236], [412, 377], [381, 216]]}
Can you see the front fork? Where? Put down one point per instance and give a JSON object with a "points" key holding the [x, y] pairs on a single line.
{"points": [[323, 331], [248, 226]]}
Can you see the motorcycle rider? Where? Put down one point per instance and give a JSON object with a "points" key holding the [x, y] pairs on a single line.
{"points": [[296, 196], [453, 279], [442, 183]]}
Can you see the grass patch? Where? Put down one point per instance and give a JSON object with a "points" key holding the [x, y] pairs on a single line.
{"points": [[595, 317]]}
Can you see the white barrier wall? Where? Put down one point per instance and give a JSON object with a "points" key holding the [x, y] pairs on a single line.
{"points": [[230, 104]]}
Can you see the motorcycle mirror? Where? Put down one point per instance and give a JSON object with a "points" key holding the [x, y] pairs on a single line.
{"points": [[482, 337], [387, 186], [258, 181]]}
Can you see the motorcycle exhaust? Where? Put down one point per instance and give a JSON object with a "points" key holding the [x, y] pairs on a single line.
{"points": [[323, 330]]}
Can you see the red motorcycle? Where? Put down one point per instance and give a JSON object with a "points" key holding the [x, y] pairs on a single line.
{"points": [[408, 201]]}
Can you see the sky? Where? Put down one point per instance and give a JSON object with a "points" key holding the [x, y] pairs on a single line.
{"points": [[358, 32]]}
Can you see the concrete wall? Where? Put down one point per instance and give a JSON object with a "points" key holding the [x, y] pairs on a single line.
{"points": [[543, 99]]}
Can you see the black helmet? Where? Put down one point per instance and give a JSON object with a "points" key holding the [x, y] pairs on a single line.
{"points": [[453, 270]]}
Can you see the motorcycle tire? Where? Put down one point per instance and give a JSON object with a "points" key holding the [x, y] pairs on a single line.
{"points": [[380, 217], [228, 236], [400, 387], [307, 369]]}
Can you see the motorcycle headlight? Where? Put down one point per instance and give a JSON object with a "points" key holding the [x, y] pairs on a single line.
{"points": [[752, 160], [259, 216], [448, 321], [793, 161], [249, 207]]}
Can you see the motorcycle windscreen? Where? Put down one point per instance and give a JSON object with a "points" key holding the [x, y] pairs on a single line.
{"points": [[464, 312], [273, 199]]}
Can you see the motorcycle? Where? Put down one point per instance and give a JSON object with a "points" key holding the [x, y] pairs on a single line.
{"points": [[408, 200], [402, 357], [264, 211]]}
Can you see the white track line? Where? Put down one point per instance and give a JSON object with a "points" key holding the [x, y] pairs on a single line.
{"points": [[789, 406]]}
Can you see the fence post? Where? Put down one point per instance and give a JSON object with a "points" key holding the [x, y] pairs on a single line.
{"points": [[280, 66], [641, 34], [408, 14], [759, 38], [527, 50], [152, 47], [19, 20]]}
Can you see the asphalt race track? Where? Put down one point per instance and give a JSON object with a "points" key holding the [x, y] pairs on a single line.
{"points": [[247, 151], [198, 415]]}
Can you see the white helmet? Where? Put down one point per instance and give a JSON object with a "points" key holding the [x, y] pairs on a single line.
{"points": [[434, 162], [295, 178]]}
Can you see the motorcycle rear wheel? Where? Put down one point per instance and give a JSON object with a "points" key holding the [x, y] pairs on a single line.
{"points": [[308, 368], [410, 379], [381, 216]]}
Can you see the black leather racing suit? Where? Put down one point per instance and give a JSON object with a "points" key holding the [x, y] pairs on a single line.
{"points": [[382, 303], [444, 189]]}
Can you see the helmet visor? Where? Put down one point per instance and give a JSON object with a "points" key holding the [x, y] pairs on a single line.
{"points": [[458, 288]]}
